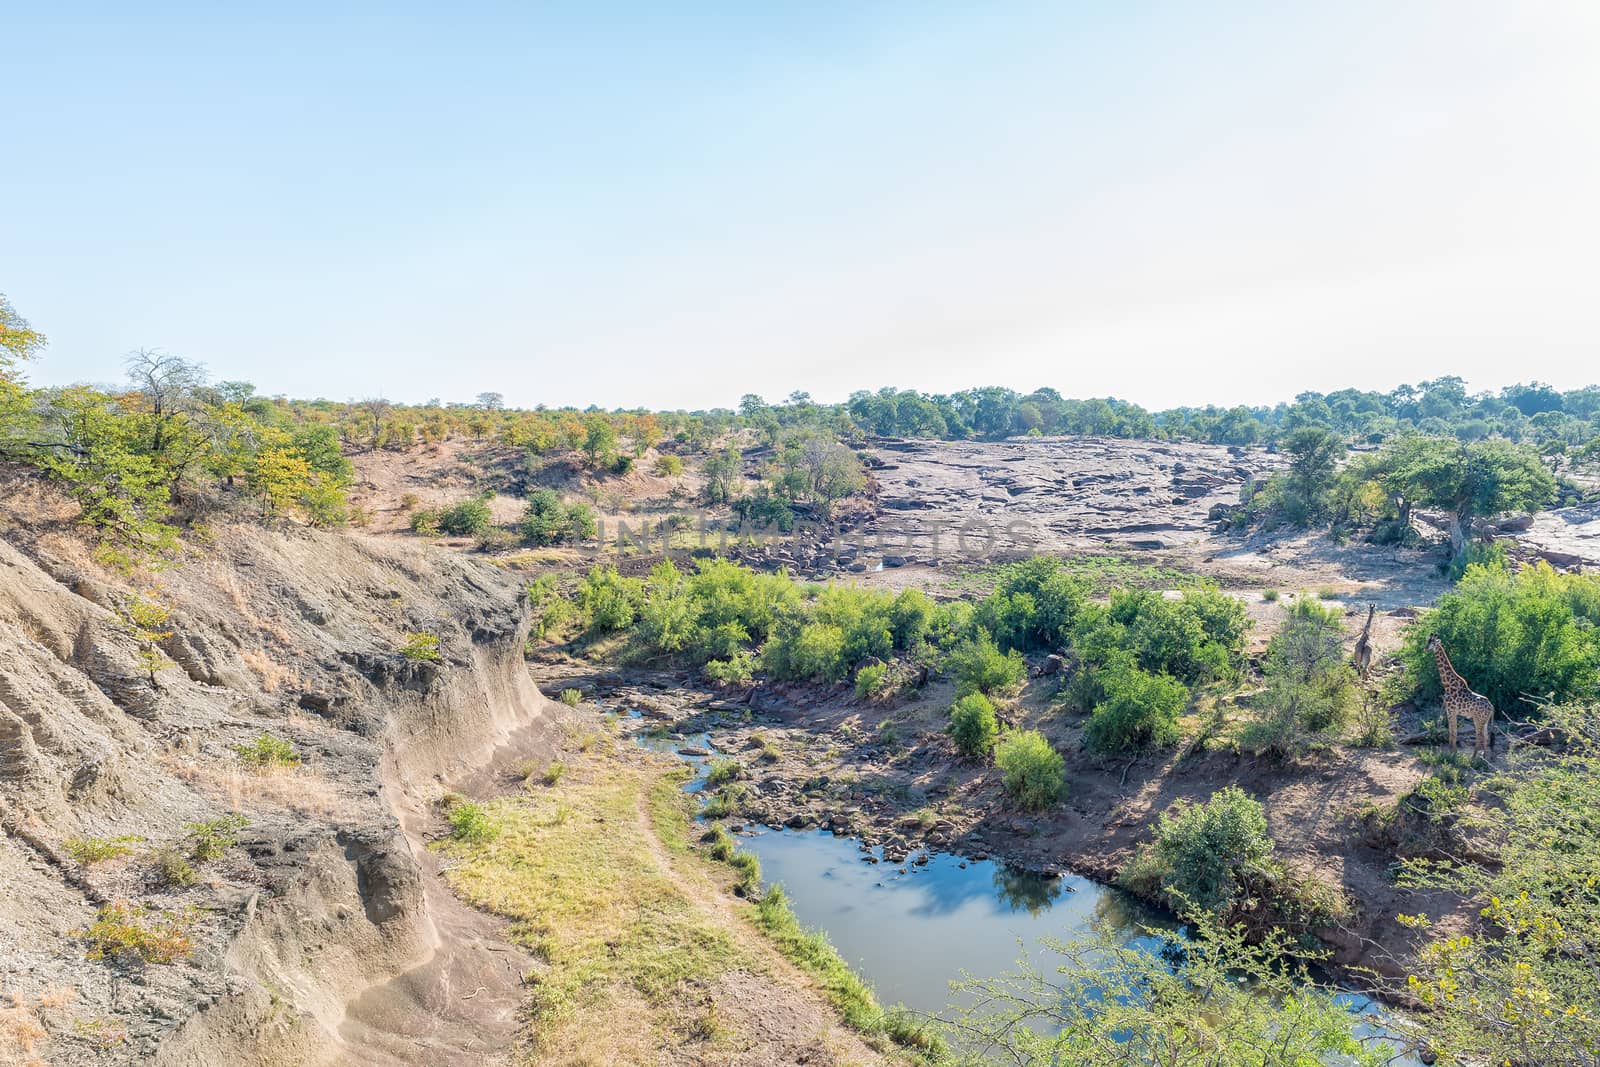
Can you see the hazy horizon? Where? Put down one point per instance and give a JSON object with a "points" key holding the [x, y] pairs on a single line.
{"points": [[635, 207]]}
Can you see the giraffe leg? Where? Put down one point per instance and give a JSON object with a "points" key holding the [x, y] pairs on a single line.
{"points": [[1450, 724]]}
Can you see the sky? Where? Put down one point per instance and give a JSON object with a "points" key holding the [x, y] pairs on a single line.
{"points": [[672, 205]]}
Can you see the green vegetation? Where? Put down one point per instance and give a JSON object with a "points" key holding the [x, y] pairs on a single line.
{"points": [[468, 518], [872, 680], [572, 697], [852, 997], [126, 931], [1217, 859], [146, 616], [1523, 989], [421, 647], [266, 753], [1031, 770], [547, 521], [1136, 708], [87, 851], [172, 868], [973, 725], [723, 771], [1310, 686], [471, 822], [1519, 639], [1219, 1000], [979, 666], [210, 839]]}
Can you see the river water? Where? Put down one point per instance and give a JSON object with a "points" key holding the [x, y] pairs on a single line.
{"points": [[911, 932]]}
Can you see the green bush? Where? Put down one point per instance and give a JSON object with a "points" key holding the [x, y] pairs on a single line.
{"points": [[610, 601], [723, 771], [872, 680], [737, 670], [172, 869], [208, 840], [979, 666], [1032, 771], [721, 844], [812, 650], [547, 521], [1517, 639], [572, 697], [469, 822], [1197, 638], [122, 930], [973, 725], [749, 868], [1203, 855], [466, 519], [267, 752], [87, 851], [421, 647], [1310, 686], [1137, 708], [1035, 604], [554, 773], [425, 521]]}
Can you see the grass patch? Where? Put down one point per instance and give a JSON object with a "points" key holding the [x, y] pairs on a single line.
{"points": [[724, 803], [571, 697], [210, 839], [87, 851], [471, 822], [620, 934], [1269, 595], [850, 995], [724, 771]]}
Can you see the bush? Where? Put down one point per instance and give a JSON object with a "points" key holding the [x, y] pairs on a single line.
{"points": [[1269, 596], [172, 869], [669, 466], [1310, 686], [1137, 708], [425, 521], [1196, 639], [122, 931], [980, 667], [1035, 604], [466, 519], [87, 851], [208, 840], [610, 601], [872, 680], [721, 843], [572, 697], [812, 650], [973, 725], [1515, 639], [1032, 771], [469, 822], [1204, 854], [421, 647], [547, 521], [267, 752], [553, 773], [737, 670], [749, 868]]}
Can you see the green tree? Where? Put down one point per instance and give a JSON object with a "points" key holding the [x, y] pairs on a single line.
{"points": [[1310, 686], [973, 725], [1314, 453], [1031, 771], [1468, 481], [599, 441]]}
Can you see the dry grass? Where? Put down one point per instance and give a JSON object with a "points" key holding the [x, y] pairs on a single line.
{"points": [[295, 789], [21, 1035], [273, 675]]}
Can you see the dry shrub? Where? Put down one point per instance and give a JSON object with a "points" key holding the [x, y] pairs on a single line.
{"points": [[21, 1034]]}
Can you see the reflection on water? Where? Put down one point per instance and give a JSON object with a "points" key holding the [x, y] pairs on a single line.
{"points": [[912, 934]]}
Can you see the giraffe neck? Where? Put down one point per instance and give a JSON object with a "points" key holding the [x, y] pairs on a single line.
{"points": [[1447, 673], [1367, 629]]}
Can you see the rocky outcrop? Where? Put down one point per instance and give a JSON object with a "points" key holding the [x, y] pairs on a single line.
{"points": [[329, 893]]}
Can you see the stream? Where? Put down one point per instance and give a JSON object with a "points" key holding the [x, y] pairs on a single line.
{"points": [[911, 929]]}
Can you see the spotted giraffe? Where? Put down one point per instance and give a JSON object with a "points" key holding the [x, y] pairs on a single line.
{"points": [[1459, 700], [1363, 654]]}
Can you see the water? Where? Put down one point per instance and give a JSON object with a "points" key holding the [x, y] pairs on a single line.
{"points": [[910, 935]]}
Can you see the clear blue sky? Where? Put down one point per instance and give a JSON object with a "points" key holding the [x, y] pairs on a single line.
{"points": [[673, 204]]}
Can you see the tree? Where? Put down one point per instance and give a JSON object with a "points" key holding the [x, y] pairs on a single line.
{"points": [[145, 617], [1314, 452], [19, 342], [724, 471], [1470, 481], [491, 401], [599, 440]]}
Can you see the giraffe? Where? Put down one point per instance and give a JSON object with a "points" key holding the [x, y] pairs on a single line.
{"points": [[1459, 699], [1363, 653]]}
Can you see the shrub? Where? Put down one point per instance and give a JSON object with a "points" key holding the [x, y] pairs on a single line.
{"points": [[973, 725], [1032, 771], [669, 466], [267, 752], [122, 930], [425, 521], [722, 845], [610, 601], [409, 501], [571, 697], [466, 519], [872, 680], [547, 521], [813, 650], [469, 822], [87, 851], [724, 802], [1270, 596], [980, 667], [737, 670], [1310, 687], [208, 840], [171, 868], [1517, 639], [553, 773], [1203, 854], [421, 647], [1137, 708]]}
